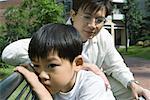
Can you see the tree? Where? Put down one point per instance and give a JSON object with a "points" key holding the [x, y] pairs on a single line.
{"points": [[134, 19], [146, 22], [23, 20]]}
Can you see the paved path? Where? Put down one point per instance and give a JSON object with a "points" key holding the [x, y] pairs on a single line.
{"points": [[141, 69]]}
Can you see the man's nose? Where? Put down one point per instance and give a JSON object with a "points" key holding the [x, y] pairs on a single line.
{"points": [[92, 23]]}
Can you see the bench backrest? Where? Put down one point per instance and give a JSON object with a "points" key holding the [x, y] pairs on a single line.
{"points": [[15, 87]]}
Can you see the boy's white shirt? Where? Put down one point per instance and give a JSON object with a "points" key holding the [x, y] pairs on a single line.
{"points": [[88, 86], [98, 50]]}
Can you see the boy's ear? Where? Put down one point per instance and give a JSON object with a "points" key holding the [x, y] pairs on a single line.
{"points": [[72, 14], [78, 63]]}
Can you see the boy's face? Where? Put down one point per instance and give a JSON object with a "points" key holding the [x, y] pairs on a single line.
{"points": [[88, 24], [57, 75]]}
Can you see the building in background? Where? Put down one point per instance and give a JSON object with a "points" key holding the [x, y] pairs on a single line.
{"points": [[116, 24]]}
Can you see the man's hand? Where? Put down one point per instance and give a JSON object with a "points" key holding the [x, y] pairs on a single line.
{"points": [[137, 90]]}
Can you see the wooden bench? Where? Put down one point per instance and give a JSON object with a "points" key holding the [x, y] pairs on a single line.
{"points": [[14, 87]]}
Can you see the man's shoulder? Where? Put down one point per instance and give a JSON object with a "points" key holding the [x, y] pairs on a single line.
{"points": [[18, 43], [103, 37], [103, 33], [16, 52], [27, 40]]}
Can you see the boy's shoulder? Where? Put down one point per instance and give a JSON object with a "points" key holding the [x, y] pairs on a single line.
{"points": [[92, 86], [86, 79], [88, 86]]}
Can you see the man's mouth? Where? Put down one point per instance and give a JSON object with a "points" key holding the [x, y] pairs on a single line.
{"points": [[90, 34]]}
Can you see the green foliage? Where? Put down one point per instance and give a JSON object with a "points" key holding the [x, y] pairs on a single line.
{"points": [[144, 38], [5, 70], [3, 43], [146, 19], [16, 23], [148, 5], [134, 19], [2, 29], [23, 20]]}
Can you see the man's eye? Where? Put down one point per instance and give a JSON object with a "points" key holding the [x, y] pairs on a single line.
{"points": [[87, 17], [52, 65], [99, 20]]}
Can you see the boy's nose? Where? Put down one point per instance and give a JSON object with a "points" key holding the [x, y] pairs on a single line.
{"points": [[44, 75]]}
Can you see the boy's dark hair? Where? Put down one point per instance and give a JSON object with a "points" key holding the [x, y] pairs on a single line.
{"points": [[92, 5], [57, 38]]}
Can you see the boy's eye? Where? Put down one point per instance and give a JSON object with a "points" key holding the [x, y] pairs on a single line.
{"points": [[52, 65], [36, 66]]}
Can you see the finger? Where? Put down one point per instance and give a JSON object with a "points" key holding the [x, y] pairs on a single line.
{"points": [[30, 76], [146, 94], [134, 93], [23, 71]]}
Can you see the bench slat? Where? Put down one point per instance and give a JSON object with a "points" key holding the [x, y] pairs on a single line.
{"points": [[9, 84]]}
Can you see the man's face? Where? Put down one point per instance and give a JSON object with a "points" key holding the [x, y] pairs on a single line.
{"points": [[55, 73], [88, 24]]}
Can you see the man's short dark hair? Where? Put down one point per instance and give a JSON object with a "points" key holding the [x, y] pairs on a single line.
{"points": [[92, 5]]}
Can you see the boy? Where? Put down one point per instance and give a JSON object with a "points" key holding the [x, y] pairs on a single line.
{"points": [[55, 53]]}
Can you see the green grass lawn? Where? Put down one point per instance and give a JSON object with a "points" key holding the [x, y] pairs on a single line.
{"points": [[136, 51]]}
